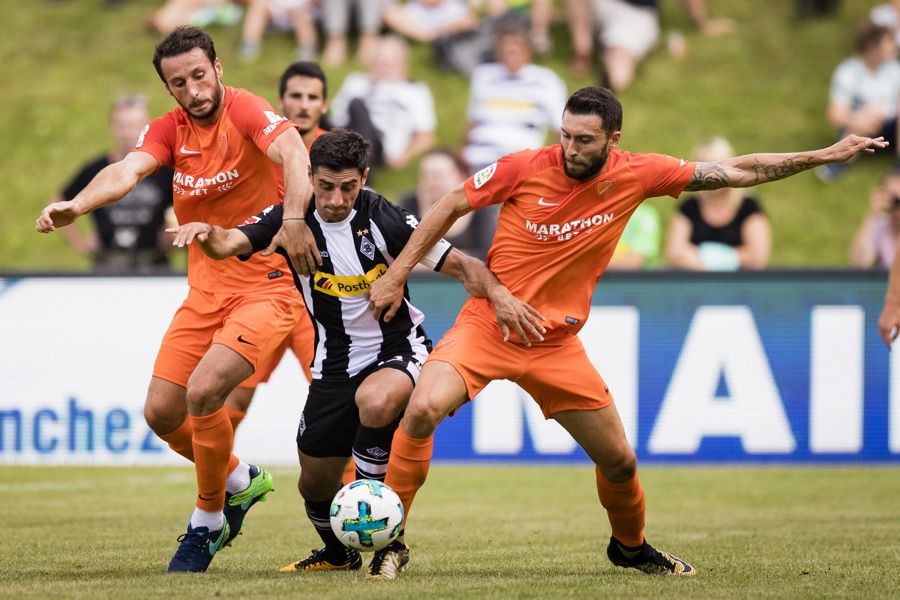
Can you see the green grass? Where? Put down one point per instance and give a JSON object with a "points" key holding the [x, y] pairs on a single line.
{"points": [[475, 532], [764, 88]]}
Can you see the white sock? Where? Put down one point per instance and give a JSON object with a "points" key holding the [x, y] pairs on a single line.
{"points": [[239, 479], [204, 518]]}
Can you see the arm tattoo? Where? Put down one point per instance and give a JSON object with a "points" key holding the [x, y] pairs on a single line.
{"points": [[714, 175], [707, 176], [771, 172]]}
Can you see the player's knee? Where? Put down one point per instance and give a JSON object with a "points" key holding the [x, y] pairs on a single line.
{"points": [[422, 417], [161, 422], [378, 410], [316, 489], [203, 398], [619, 466]]}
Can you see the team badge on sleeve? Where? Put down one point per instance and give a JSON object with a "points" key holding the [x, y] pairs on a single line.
{"points": [[483, 176]]}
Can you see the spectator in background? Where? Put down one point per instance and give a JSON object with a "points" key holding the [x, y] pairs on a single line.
{"points": [[336, 23], [721, 229], [194, 12], [875, 242], [426, 20], [513, 104], [638, 248], [888, 15], [126, 237], [627, 31], [394, 114], [865, 90], [278, 15], [440, 171], [539, 13]]}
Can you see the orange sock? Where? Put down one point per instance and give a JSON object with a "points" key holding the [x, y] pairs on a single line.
{"points": [[213, 440], [408, 467], [235, 416], [625, 507], [180, 440]]}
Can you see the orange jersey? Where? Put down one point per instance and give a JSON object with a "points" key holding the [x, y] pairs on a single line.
{"points": [[555, 235], [319, 132], [222, 176]]}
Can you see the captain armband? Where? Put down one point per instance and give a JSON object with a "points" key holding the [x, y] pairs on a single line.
{"points": [[434, 258]]}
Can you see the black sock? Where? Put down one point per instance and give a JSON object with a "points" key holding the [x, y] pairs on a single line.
{"points": [[371, 450], [319, 514]]}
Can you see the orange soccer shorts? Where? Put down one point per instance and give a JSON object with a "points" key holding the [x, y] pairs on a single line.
{"points": [[302, 342], [557, 373], [252, 325]]}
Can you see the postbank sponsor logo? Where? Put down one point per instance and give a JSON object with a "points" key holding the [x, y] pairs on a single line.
{"points": [[345, 286]]}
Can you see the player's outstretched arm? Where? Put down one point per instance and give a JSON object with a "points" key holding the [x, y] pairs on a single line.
{"points": [[215, 241], [753, 169], [109, 185], [386, 293], [294, 236], [889, 321], [512, 314]]}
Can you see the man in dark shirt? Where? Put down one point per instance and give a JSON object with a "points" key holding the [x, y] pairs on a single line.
{"points": [[126, 235]]}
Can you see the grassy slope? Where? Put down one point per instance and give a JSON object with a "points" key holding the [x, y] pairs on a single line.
{"points": [[476, 532], [765, 88]]}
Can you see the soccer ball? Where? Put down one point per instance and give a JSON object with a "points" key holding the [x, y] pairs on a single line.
{"points": [[366, 515]]}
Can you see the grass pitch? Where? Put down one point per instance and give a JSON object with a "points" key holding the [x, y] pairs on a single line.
{"points": [[475, 532]]}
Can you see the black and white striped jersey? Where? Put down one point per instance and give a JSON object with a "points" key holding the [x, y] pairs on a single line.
{"points": [[355, 252]]}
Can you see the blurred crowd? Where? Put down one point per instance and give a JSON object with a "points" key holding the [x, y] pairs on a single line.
{"points": [[515, 103]]}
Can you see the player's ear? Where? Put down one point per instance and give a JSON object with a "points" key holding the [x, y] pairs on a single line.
{"points": [[365, 175], [614, 139], [309, 171], [218, 67]]}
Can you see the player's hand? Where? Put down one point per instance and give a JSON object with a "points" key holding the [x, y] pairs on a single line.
{"points": [[187, 233], [385, 297], [517, 315], [852, 145], [298, 241], [58, 214], [889, 323]]}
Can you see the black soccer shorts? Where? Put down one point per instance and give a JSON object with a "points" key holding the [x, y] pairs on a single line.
{"points": [[330, 417]]}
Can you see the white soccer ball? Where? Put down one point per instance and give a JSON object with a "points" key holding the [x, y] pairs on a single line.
{"points": [[366, 515]]}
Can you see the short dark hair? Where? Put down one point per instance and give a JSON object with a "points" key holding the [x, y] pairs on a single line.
{"points": [[181, 40], [340, 149], [303, 68], [597, 101], [869, 35], [514, 30]]}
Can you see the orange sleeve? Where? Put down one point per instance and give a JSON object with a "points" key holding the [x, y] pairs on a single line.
{"points": [[158, 140], [661, 175], [498, 182], [254, 118]]}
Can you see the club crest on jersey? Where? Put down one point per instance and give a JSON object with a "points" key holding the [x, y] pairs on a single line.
{"points": [[603, 187], [483, 176], [367, 248]]}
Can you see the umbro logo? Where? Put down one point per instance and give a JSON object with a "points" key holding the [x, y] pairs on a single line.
{"points": [[542, 202], [243, 341], [184, 150], [376, 452]]}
